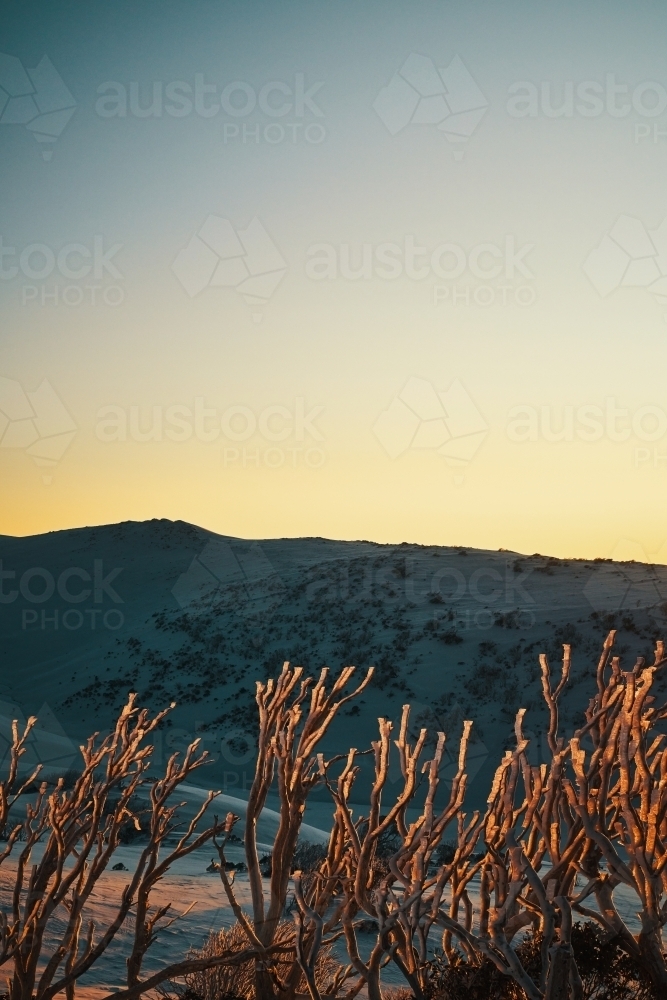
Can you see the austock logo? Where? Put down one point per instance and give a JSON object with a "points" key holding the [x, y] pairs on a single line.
{"points": [[291, 432], [218, 256], [74, 585], [421, 94], [630, 256], [263, 112], [588, 423], [449, 721], [485, 596], [592, 99], [502, 265], [35, 98], [241, 579], [632, 580], [86, 269], [423, 419], [236, 746], [47, 744], [35, 422]]}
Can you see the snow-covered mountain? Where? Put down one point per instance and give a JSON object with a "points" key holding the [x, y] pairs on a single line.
{"points": [[176, 612]]}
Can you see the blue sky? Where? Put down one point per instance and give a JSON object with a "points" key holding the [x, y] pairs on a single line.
{"points": [[525, 256]]}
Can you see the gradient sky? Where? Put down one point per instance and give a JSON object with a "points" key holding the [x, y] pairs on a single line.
{"points": [[344, 347]]}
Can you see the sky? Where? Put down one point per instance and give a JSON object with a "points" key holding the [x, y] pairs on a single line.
{"points": [[382, 270]]}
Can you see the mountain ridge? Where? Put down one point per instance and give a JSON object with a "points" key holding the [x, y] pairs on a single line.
{"points": [[177, 612]]}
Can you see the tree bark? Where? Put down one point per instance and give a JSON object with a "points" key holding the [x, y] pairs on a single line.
{"points": [[652, 959], [558, 979]]}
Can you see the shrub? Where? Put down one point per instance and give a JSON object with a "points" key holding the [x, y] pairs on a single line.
{"points": [[238, 982], [607, 973]]}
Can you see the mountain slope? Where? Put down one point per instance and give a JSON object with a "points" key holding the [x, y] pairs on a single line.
{"points": [[179, 613]]}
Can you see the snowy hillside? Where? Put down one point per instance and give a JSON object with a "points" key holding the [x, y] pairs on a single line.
{"points": [[179, 613]]}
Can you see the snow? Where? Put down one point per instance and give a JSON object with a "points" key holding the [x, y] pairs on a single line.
{"points": [[453, 631]]}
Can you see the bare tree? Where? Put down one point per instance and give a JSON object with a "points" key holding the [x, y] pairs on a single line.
{"points": [[78, 832], [552, 838], [287, 753], [619, 794], [601, 816]]}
